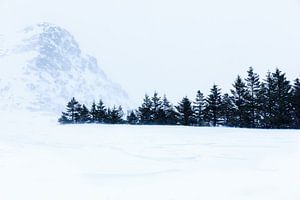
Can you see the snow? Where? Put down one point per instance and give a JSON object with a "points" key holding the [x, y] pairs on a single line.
{"points": [[40, 159], [43, 64]]}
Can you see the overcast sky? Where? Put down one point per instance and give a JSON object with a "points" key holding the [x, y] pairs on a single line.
{"points": [[174, 47]]}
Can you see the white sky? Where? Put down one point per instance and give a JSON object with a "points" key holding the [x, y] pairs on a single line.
{"points": [[173, 46]]}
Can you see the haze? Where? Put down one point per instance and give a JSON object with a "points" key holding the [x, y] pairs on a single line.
{"points": [[174, 47]]}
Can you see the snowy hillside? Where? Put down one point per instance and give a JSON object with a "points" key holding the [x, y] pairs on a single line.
{"points": [[104, 162], [42, 67]]}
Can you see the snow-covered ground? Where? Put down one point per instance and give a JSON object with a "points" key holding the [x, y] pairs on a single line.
{"points": [[40, 160]]}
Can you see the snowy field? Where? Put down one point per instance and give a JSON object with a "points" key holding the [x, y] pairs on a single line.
{"points": [[45, 161]]}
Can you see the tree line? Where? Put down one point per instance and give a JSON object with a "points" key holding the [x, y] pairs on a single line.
{"points": [[273, 102]]}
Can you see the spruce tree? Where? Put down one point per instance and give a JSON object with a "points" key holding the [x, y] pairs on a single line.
{"points": [[185, 112], [198, 109], [227, 110], [72, 112], [145, 111], [169, 112], [64, 119], [263, 111], [93, 113], [101, 112], [267, 101], [283, 96], [240, 95], [114, 115], [275, 99], [84, 115], [213, 109], [132, 118], [253, 87], [158, 116], [296, 103]]}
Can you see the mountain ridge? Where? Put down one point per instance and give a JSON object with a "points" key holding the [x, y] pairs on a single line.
{"points": [[47, 68]]}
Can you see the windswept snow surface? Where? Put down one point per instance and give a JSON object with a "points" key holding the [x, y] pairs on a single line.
{"points": [[43, 160]]}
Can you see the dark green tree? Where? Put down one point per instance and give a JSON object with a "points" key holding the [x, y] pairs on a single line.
{"points": [[169, 112], [198, 109], [93, 113], [64, 119], [101, 112], [72, 114], [145, 111], [84, 114], [275, 101], [132, 118], [213, 108], [296, 103], [253, 87], [158, 115], [283, 101], [185, 112], [240, 95], [227, 110], [114, 115]]}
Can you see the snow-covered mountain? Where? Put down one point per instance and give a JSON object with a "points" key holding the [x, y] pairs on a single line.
{"points": [[42, 67]]}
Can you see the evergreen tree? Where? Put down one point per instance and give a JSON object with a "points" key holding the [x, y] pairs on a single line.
{"points": [[253, 87], [198, 109], [101, 112], [268, 103], [185, 112], [227, 110], [263, 110], [114, 115], [296, 103], [283, 96], [72, 112], [145, 111], [84, 114], [132, 118], [158, 115], [240, 95], [275, 99], [93, 113], [170, 113], [77, 113], [64, 119], [213, 109]]}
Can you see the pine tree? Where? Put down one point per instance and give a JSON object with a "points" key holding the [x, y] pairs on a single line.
{"points": [[169, 112], [253, 87], [114, 115], [64, 119], [72, 112], [145, 111], [282, 108], [198, 109], [185, 112], [132, 118], [213, 109], [240, 95], [275, 99], [93, 113], [296, 103], [269, 101], [263, 110], [156, 109], [227, 110], [101, 112], [84, 114]]}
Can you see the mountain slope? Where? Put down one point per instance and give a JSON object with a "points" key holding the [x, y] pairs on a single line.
{"points": [[43, 67]]}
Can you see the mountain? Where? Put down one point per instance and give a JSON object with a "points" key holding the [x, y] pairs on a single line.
{"points": [[42, 67]]}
